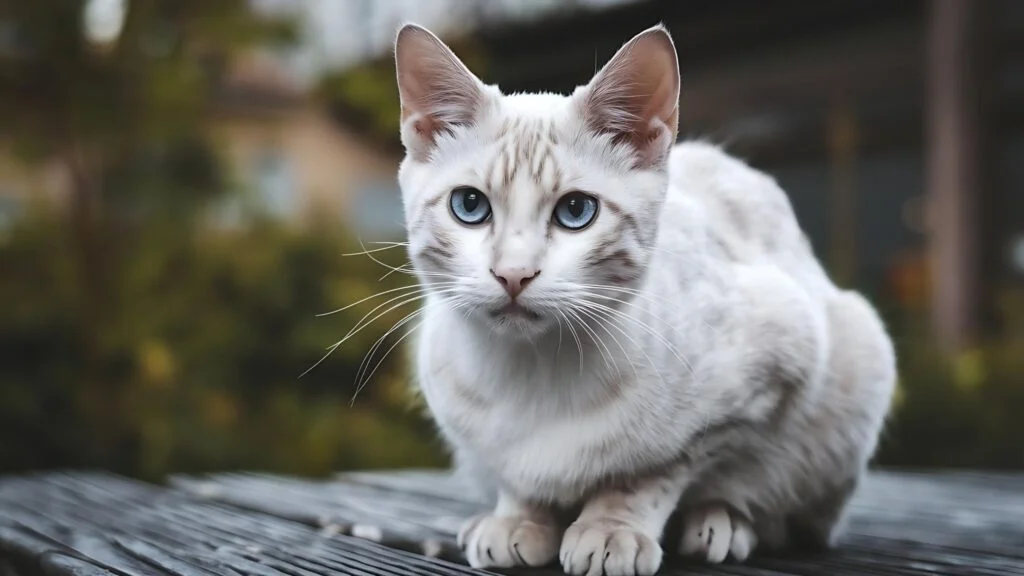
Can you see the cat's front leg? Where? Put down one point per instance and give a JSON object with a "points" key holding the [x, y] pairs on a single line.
{"points": [[516, 533], [618, 531]]}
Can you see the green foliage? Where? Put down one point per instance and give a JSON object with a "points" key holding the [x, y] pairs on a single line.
{"points": [[152, 83], [201, 354], [962, 411], [139, 339]]}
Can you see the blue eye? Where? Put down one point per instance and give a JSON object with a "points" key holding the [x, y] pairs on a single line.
{"points": [[575, 211], [469, 206]]}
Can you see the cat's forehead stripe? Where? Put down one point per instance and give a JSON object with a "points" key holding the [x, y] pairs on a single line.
{"points": [[525, 146]]}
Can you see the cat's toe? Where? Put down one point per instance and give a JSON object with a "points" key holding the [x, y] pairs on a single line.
{"points": [[534, 544], [609, 549], [744, 540], [712, 534], [467, 528], [506, 542]]}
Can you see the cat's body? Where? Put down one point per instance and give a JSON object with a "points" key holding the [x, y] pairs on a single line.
{"points": [[683, 347]]}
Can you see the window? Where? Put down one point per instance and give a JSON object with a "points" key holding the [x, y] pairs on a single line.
{"points": [[10, 210], [275, 182], [376, 210]]}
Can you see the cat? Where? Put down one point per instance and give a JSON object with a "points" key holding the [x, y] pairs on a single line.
{"points": [[619, 328]]}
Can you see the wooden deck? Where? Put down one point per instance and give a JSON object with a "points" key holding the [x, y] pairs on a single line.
{"points": [[96, 524]]}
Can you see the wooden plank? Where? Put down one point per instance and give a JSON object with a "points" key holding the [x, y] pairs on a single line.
{"points": [[133, 529], [95, 524], [59, 564], [901, 523]]}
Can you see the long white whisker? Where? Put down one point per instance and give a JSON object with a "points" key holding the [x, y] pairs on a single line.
{"points": [[362, 382], [558, 347], [587, 289], [410, 287], [330, 350], [612, 320], [372, 250], [363, 323], [366, 381], [664, 341], [579, 345], [606, 353], [625, 303], [405, 298], [603, 325]]}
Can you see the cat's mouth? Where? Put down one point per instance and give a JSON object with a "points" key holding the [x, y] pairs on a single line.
{"points": [[515, 310]]}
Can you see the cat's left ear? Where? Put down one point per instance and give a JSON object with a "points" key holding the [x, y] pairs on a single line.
{"points": [[635, 97], [437, 91]]}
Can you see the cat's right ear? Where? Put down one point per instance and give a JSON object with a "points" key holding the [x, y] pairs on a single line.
{"points": [[635, 97], [437, 91]]}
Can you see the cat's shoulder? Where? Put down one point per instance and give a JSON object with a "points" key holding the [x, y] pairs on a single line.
{"points": [[704, 168], [740, 204]]}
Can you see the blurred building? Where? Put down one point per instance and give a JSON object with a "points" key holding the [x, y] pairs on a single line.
{"points": [[279, 143], [895, 127], [282, 144]]}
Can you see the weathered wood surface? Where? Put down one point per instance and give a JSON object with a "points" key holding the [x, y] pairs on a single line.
{"points": [[95, 524]]}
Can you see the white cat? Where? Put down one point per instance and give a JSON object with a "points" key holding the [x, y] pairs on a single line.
{"points": [[618, 326]]}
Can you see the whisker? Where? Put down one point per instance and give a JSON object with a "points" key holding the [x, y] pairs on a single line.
{"points": [[604, 350], [363, 323], [575, 337], [363, 384], [369, 254], [649, 329], [372, 296], [364, 381], [373, 250], [611, 319], [625, 353], [330, 350], [368, 357], [558, 347], [406, 299], [634, 292]]}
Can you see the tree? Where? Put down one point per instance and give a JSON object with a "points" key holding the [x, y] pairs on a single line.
{"points": [[122, 118]]}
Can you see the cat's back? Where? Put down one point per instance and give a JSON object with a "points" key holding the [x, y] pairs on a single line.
{"points": [[744, 214]]}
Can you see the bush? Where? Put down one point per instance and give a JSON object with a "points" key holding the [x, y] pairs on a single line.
{"points": [[962, 411], [197, 355]]}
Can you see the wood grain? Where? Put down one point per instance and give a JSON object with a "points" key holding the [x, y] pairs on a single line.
{"points": [[397, 523]]}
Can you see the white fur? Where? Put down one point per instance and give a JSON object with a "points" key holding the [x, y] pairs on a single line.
{"points": [[723, 372]]}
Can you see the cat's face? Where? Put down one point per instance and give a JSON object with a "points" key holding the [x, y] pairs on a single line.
{"points": [[529, 212]]}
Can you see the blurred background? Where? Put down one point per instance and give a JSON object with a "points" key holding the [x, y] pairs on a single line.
{"points": [[181, 180]]}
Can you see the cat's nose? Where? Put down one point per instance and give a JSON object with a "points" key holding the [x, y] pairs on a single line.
{"points": [[514, 280]]}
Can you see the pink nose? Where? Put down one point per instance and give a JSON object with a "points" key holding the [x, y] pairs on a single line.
{"points": [[514, 280]]}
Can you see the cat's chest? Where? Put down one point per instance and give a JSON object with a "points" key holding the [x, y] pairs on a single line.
{"points": [[537, 444], [534, 454]]}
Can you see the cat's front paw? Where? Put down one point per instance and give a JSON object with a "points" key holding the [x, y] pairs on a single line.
{"points": [[609, 547], [505, 542], [712, 533]]}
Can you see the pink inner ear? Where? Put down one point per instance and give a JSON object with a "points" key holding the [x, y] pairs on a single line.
{"points": [[436, 89], [427, 127], [635, 97]]}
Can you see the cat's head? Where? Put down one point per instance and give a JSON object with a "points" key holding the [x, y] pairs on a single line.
{"points": [[527, 211]]}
